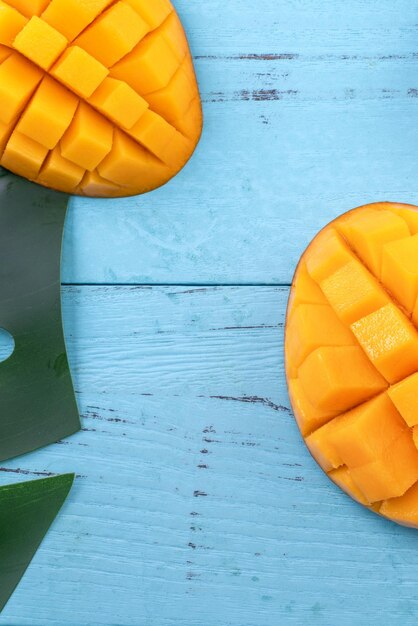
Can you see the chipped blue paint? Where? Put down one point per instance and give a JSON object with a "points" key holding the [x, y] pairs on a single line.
{"points": [[196, 503]]}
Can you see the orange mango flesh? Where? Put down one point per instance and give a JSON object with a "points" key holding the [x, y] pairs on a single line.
{"points": [[351, 350], [100, 96]]}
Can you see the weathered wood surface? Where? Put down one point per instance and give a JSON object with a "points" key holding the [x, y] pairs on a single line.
{"points": [[310, 109], [196, 502]]}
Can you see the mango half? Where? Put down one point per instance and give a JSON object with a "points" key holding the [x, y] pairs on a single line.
{"points": [[97, 97], [351, 351]]}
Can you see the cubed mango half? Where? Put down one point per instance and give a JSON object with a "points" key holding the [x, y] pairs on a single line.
{"points": [[355, 396], [124, 66]]}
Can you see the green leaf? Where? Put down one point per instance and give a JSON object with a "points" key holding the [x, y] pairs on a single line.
{"points": [[37, 402], [27, 510]]}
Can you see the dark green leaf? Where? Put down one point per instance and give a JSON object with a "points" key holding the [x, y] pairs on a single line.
{"points": [[27, 510]]}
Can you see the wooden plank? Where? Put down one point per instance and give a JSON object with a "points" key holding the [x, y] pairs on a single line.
{"points": [[196, 502], [310, 110]]}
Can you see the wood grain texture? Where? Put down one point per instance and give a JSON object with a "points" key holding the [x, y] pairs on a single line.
{"points": [[196, 502], [310, 109]]}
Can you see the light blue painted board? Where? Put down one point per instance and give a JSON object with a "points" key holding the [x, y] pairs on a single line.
{"points": [[197, 503], [325, 122]]}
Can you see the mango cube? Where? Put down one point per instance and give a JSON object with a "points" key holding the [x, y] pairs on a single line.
{"points": [[353, 292], [48, 114], [126, 157], [88, 139], [400, 270], [403, 509], [18, 80], [321, 444], [172, 31], [326, 254], [11, 23], [175, 101], [154, 133], [369, 429], [338, 378], [342, 477], [70, 17], [29, 7], [392, 474], [60, 170], [308, 417], [409, 214], [404, 396], [79, 71], [115, 33], [369, 229], [312, 326], [93, 185], [149, 67], [40, 43], [23, 155], [153, 14], [119, 102], [390, 341]]}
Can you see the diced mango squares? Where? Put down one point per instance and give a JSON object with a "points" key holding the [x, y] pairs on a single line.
{"points": [[357, 405], [308, 417], [127, 157], [327, 254], [113, 34], [304, 290], [313, 326], [149, 67], [368, 431], [338, 378], [93, 185], [404, 509], [60, 170], [404, 396], [175, 102], [74, 45], [11, 23], [40, 42], [70, 17], [88, 140], [390, 341], [321, 444], [409, 215], [172, 31], [342, 477], [400, 270], [29, 7], [79, 71], [353, 292], [154, 133], [119, 102], [369, 229], [23, 155], [154, 14], [392, 473], [18, 80], [48, 114]]}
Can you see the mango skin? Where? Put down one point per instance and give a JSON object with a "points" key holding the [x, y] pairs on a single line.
{"points": [[357, 265], [97, 97]]}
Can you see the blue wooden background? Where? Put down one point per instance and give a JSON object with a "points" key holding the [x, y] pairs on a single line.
{"points": [[196, 503]]}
